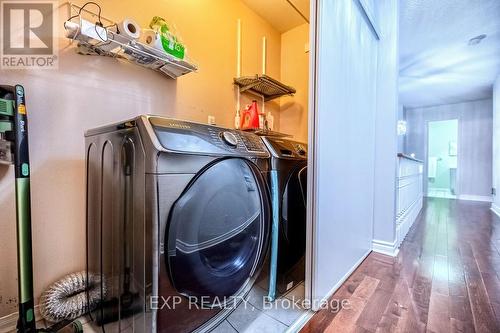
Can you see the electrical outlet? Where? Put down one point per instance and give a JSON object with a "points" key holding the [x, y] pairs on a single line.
{"points": [[211, 120], [493, 191]]}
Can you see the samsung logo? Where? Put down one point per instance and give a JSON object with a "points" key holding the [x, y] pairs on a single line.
{"points": [[179, 125]]}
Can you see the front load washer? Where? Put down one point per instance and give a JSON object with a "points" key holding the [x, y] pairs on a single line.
{"points": [[178, 221], [288, 179]]}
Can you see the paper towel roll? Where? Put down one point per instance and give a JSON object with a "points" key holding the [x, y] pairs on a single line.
{"points": [[151, 38], [127, 29]]}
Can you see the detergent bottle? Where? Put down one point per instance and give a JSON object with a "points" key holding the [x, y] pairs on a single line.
{"points": [[250, 117]]}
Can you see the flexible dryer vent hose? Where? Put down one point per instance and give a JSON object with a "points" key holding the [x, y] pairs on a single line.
{"points": [[66, 299]]}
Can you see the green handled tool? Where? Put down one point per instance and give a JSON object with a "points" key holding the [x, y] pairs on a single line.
{"points": [[14, 137], [26, 321]]}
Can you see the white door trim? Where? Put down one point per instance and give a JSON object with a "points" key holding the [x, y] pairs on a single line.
{"points": [[311, 163]]}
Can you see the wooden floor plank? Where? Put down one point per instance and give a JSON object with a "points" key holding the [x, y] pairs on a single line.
{"points": [[482, 312], [400, 314], [439, 314], [446, 278], [345, 321], [374, 309], [461, 319], [440, 275]]}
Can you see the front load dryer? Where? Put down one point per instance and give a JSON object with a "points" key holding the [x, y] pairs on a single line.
{"points": [[178, 217], [288, 179]]}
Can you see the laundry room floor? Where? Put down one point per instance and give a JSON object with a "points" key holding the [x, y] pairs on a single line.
{"points": [[252, 315], [89, 327], [255, 316]]}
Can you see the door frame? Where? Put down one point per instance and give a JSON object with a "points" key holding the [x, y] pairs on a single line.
{"points": [[311, 158], [426, 164]]}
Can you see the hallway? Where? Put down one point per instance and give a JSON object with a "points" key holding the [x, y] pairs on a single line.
{"points": [[446, 278]]}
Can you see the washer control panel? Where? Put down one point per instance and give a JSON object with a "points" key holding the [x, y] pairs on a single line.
{"points": [[284, 148], [252, 142], [178, 135]]}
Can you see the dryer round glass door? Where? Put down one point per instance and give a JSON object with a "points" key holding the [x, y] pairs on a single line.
{"points": [[217, 231], [292, 244]]}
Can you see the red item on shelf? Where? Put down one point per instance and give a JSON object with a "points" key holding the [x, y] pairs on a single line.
{"points": [[250, 117]]}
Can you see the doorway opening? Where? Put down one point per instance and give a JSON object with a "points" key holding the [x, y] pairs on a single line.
{"points": [[442, 161]]}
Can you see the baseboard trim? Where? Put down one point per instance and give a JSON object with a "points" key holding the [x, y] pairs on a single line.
{"points": [[341, 281], [442, 189], [300, 322], [8, 323], [387, 248], [470, 197], [495, 209]]}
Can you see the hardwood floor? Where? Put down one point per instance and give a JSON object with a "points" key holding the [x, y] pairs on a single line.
{"points": [[446, 278]]}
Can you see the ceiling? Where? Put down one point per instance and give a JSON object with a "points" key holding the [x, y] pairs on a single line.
{"points": [[437, 65], [283, 15]]}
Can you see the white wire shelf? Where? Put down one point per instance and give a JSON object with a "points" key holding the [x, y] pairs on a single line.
{"points": [[263, 85], [125, 48]]}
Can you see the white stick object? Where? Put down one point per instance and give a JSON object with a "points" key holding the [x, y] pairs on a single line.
{"points": [[238, 73], [264, 53], [238, 48], [263, 110], [264, 63]]}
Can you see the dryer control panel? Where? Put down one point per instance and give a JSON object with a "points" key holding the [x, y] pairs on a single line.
{"points": [[284, 148], [190, 137]]}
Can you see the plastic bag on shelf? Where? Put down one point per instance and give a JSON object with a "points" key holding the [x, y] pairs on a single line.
{"points": [[167, 39]]}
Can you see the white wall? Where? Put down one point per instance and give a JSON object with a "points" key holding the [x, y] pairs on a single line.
{"points": [[496, 145], [295, 72], [386, 139], [344, 136], [475, 130]]}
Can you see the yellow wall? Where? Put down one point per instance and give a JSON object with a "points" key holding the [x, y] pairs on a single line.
{"points": [[295, 72], [88, 91]]}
